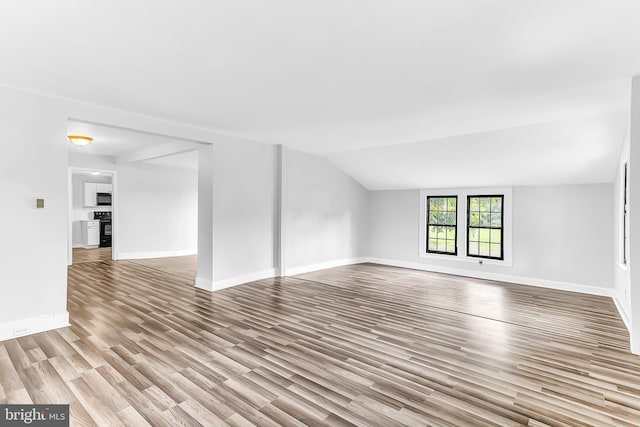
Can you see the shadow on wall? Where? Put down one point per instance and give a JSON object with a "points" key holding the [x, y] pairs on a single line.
{"points": [[327, 237]]}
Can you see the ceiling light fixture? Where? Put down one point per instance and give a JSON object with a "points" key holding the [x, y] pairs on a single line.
{"points": [[80, 140], [95, 173]]}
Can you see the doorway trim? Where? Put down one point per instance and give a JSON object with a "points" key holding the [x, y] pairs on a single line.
{"points": [[114, 210]]}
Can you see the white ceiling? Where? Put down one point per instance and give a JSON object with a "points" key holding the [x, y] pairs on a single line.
{"points": [[568, 152], [117, 142], [334, 76], [188, 160]]}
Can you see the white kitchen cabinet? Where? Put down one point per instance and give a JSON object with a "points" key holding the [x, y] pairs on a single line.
{"points": [[104, 188], [90, 233], [90, 190]]}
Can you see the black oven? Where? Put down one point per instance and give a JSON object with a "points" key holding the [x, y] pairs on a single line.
{"points": [[105, 234], [105, 228], [103, 199]]}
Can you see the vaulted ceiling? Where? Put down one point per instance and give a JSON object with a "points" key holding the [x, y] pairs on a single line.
{"points": [[400, 94]]}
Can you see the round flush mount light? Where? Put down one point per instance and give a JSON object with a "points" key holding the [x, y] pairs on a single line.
{"points": [[95, 173], [80, 140]]}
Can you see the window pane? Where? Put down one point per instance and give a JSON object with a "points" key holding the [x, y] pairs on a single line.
{"points": [[496, 204], [452, 203], [495, 250], [442, 218], [473, 204], [485, 204], [496, 236], [473, 248], [433, 204], [451, 246], [496, 219], [433, 244], [442, 245], [484, 235], [451, 218], [484, 249], [473, 234], [474, 219], [485, 220], [451, 233], [433, 231], [442, 233]]}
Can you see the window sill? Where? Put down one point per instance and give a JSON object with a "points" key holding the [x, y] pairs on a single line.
{"points": [[472, 260]]}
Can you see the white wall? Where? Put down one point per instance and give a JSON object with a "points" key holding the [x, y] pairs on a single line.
{"points": [[79, 211], [634, 215], [621, 279], [34, 163], [325, 213], [244, 209], [204, 275], [157, 211], [561, 237], [33, 267]]}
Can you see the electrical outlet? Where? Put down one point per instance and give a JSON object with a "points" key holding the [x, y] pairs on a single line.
{"points": [[20, 331]]}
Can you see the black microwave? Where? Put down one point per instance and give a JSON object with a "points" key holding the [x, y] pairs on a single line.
{"points": [[103, 199]]}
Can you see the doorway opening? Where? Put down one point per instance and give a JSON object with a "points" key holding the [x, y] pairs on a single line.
{"points": [[92, 218], [133, 195]]}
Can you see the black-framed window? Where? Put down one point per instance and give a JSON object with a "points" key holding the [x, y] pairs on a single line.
{"points": [[485, 226], [442, 223]]}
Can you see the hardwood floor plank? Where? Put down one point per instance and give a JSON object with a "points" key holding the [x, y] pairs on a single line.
{"points": [[131, 417], [81, 255]]}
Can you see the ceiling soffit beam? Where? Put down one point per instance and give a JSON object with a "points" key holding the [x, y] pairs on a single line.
{"points": [[159, 151]]}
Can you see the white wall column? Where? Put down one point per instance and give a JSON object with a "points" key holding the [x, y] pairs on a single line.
{"points": [[280, 236], [204, 277], [634, 215]]}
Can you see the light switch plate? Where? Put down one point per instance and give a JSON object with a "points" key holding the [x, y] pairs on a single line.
{"points": [[39, 203]]}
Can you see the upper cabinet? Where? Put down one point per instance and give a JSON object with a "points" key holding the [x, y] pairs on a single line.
{"points": [[104, 188], [91, 189]]}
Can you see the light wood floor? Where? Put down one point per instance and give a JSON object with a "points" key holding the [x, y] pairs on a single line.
{"points": [[360, 345], [91, 255], [182, 266]]}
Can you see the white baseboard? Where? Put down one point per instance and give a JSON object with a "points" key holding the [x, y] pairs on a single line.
{"points": [[623, 312], [519, 280], [294, 271], [205, 284], [217, 285], [33, 325], [157, 254]]}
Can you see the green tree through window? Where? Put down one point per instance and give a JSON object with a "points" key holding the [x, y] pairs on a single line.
{"points": [[442, 220], [485, 227]]}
